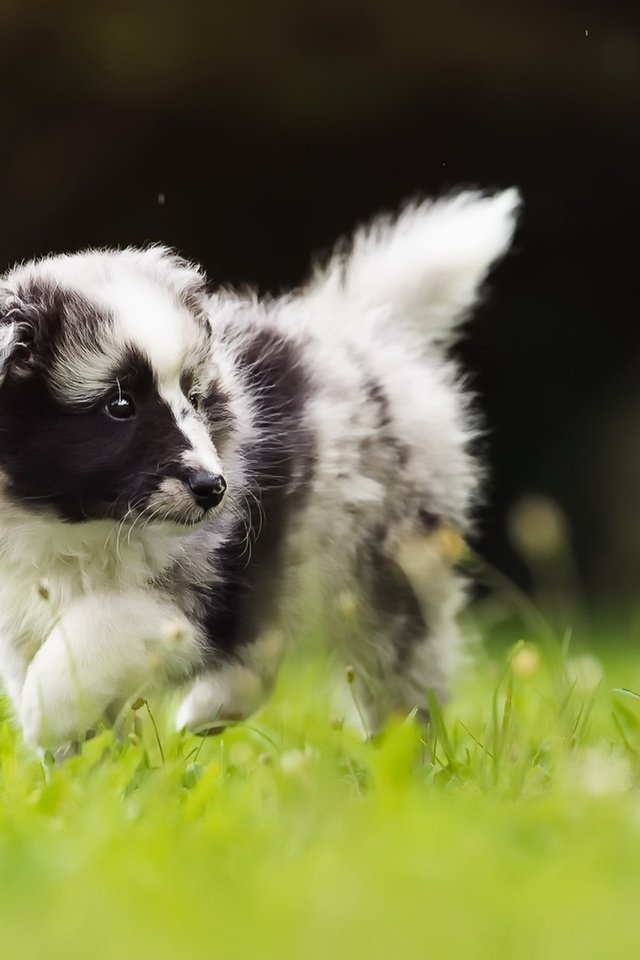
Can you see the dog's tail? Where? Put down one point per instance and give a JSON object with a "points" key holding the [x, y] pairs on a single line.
{"points": [[421, 270]]}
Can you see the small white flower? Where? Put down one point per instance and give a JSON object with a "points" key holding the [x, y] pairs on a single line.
{"points": [[600, 771], [42, 588], [297, 762], [347, 605], [526, 661], [537, 527], [175, 633], [584, 672]]}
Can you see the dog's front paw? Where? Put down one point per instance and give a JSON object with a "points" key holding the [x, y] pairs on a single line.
{"points": [[53, 711]]}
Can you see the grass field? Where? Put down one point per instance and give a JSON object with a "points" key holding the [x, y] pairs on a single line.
{"points": [[511, 829]]}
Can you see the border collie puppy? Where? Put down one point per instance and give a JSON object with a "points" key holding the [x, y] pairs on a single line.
{"points": [[179, 471]]}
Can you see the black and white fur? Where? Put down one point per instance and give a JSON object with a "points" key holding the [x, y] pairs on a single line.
{"points": [[340, 427]]}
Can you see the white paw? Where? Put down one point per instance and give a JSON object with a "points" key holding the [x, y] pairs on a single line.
{"points": [[47, 720], [54, 709], [232, 693]]}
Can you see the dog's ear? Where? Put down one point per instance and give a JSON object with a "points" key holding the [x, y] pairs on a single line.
{"points": [[18, 327], [424, 268]]}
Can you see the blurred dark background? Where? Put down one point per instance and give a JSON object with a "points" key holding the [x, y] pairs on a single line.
{"points": [[251, 135]]}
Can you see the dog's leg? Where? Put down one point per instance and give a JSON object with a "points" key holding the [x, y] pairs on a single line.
{"points": [[104, 648], [232, 691], [403, 636], [13, 669]]}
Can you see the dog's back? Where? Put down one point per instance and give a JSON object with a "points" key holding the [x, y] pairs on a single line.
{"points": [[358, 470]]}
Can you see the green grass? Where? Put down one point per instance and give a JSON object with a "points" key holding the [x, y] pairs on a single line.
{"points": [[511, 829]]}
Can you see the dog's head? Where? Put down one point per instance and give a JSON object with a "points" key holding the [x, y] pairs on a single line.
{"points": [[107, 409]]}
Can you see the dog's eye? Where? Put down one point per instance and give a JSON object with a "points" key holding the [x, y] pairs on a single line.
{"points": [[120, 406], [195, 399]]}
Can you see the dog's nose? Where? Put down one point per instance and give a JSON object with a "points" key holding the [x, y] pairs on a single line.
{"points": [[207, 488]]}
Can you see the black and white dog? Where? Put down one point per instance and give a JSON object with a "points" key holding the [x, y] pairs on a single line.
{"points": [[177, 470]]}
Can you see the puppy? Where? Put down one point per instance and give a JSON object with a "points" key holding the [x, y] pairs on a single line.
{"points": [[180, 472]]}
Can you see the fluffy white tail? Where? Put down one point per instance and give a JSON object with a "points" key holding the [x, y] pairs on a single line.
{"points": [[422, 269]]}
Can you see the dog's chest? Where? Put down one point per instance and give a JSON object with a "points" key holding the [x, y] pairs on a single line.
{"points": [[31, 602], [29, 608], [35, 593]]}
